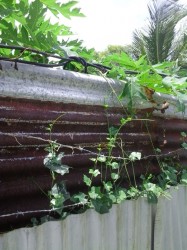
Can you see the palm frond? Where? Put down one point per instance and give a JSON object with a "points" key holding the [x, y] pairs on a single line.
{"points": [[160, 33], [138, 44]]}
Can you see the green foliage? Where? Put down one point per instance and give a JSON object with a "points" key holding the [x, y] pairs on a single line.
{"points": [[160, 40], [141, 75], [133, 93], [184, 145], [135, 156], [184, 177], [53, 162], [87, 180], [115, 49], [102, 204], [58, 195], [27, 24], [80, 198], [108, 170]]}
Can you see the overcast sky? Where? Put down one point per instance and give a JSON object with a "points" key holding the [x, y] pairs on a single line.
{"points": [[109, 21]]}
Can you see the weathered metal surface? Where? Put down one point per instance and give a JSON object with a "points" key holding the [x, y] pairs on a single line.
{"points": [[23, 138], [170, 138], [171, 221], [172, 111], [31, 99], [128, 226], [58, 85]]}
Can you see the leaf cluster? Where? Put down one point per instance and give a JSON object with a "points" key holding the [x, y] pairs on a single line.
{"points": [[28, 23], [160, 40], [140, 77], [109, 172]]}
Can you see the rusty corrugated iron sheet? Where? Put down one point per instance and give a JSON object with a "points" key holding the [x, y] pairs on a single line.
{"points": [[23, 138], [170, 138]]}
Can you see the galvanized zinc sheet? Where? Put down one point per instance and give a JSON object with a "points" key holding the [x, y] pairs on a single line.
{"points": [[132, 225], [171, 221], [128, 226]]}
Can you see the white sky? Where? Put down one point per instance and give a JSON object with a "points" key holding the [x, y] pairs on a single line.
{"points": [[109, 21]]}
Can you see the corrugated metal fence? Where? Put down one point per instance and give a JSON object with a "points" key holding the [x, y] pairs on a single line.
{"points": [[132, 225], [30, 99]]}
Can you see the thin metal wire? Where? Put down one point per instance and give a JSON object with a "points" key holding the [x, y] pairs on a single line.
{"points": [[42, 210], [64, 62]]}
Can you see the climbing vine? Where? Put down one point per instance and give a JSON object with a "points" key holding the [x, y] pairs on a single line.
{"points": [[105, 183]]}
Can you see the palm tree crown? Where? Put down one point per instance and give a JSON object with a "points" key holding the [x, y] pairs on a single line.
{"points": [[161, 40]]}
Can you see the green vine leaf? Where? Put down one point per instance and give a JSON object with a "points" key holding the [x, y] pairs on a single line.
{"points": [[59, 195], [108, 185], [80, 198], [183, 134], [184, 177], [101, 158], [95, 192], [94, 172], [184, 145], [121, 195], [123, 121], [53, 162], [102, 205], [114, 176], [133, 193], [115, 165], [113, 131], [135, 156], [87, 180], [151, 197]]}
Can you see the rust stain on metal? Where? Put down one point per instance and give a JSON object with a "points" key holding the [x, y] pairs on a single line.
{"points": [[23, 137]]}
